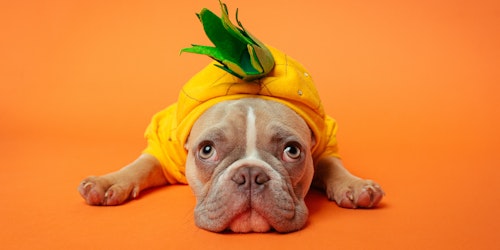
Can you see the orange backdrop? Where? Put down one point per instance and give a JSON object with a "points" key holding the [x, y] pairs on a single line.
{"points": [[414, 85]]}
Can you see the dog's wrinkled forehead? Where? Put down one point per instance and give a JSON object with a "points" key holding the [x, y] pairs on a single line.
{"points": [[248, 119]]}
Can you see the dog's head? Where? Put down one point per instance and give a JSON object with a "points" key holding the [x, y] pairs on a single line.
{"points": [[250, 166]]}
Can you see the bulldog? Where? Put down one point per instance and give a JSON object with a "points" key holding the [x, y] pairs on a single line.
{"points": [[249, 139], [249, 164]]}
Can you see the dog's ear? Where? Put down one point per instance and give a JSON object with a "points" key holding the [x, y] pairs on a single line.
{"points": [[313, 140], [186, 145]]}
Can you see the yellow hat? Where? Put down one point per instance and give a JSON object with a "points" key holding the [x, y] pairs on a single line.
{"points": [[288, 83]]}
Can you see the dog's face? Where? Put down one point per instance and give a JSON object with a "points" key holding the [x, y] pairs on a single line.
{"points": [[250, 166]]}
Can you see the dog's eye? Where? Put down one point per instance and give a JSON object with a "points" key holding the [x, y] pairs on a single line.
{"points": [[206, 151], [291, 153]]}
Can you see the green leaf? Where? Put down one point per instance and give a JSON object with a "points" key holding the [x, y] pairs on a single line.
{"points": [[237, 50]]}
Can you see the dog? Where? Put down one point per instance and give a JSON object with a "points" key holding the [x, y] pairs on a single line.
{"points": [[250, 137], [250, 157]]}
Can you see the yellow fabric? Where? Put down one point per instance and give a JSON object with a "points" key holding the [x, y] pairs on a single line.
{"points": [[288, 83]]}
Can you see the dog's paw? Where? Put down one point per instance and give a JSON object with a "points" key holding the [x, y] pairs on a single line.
{"points": [[107, 191], [357, 193]]}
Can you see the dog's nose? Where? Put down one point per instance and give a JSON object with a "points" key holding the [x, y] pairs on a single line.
{"points": [[250, 176]]}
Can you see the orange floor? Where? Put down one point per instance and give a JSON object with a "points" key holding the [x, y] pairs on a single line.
{"points": [[414, 85]]}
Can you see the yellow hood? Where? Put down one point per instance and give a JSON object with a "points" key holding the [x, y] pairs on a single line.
{"points": [[288, 83]]}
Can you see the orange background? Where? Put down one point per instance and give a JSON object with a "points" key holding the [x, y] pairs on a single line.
{"points": [[414, 85]]}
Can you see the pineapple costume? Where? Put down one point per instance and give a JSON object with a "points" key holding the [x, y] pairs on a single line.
{"points": [[246, 69]]}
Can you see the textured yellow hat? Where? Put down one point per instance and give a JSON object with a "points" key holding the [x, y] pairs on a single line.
{"points": [[288, 83]]}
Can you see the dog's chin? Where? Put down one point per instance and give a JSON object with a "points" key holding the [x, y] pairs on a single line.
{"points": [[249, 221]]}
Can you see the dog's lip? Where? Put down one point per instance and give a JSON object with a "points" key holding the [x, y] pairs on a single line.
{"points": [[249, 221], [259, 217]]}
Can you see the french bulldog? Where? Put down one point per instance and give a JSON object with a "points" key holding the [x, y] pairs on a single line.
{"points": [[250, 165], [248, 134]]}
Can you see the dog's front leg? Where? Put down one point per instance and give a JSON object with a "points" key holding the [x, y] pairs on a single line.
{"points": [[346, 189], [117, 187]]}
